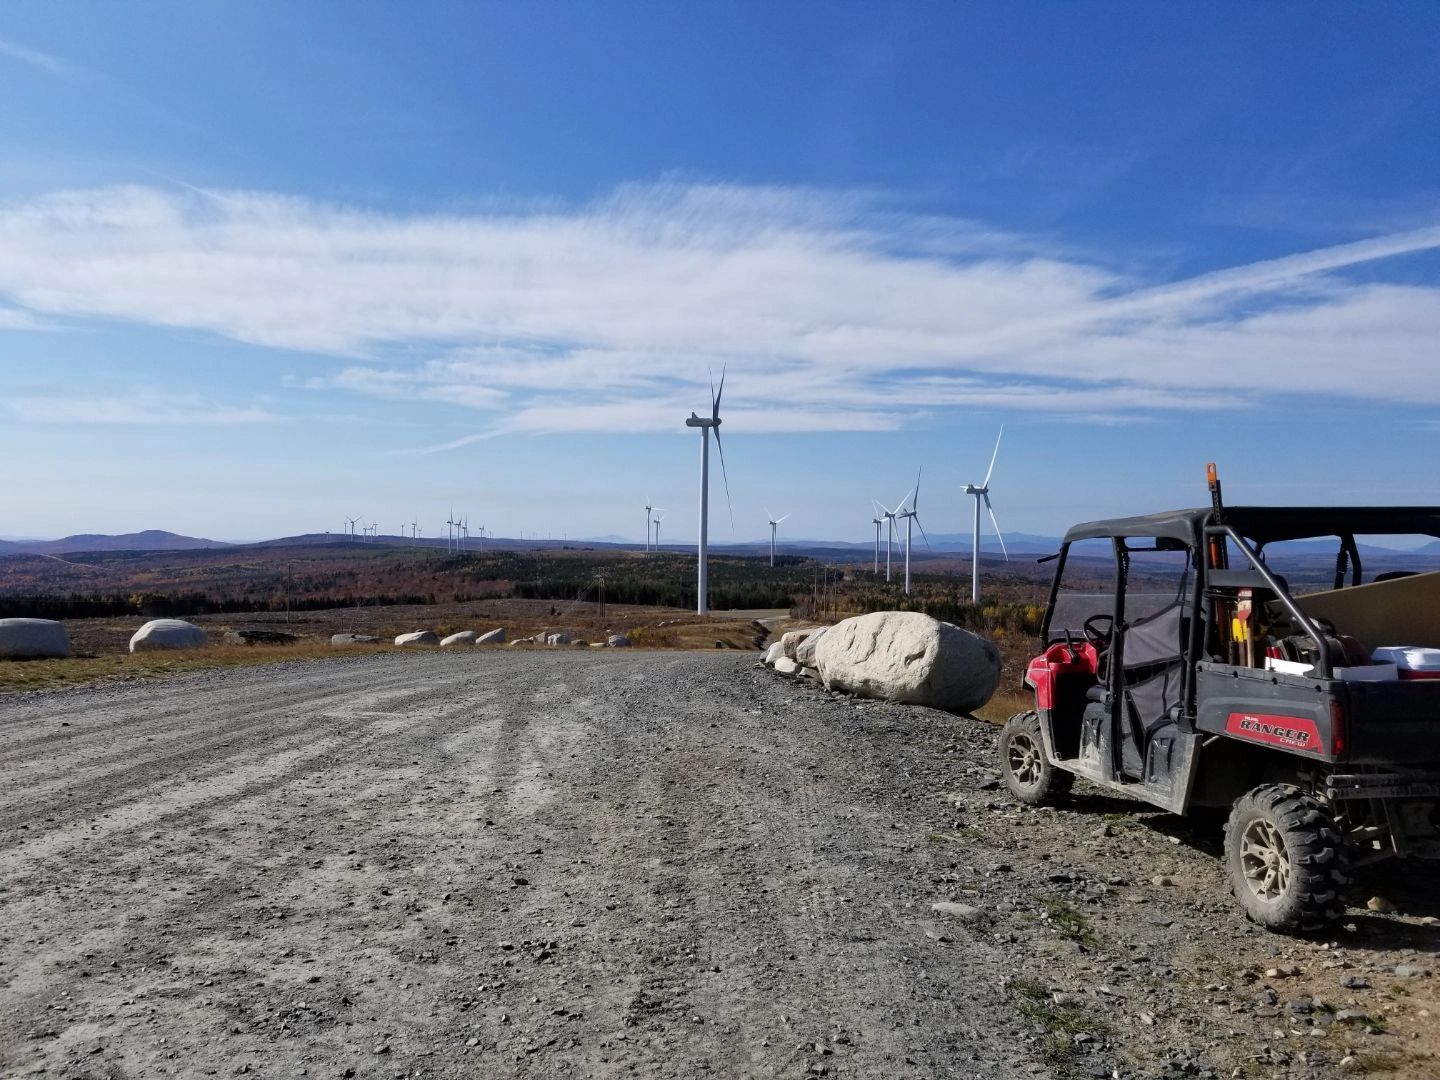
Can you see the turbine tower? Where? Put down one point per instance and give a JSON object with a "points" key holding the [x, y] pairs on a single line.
{"points": [[706, 425], [658, 518], [911, 514], [877, 522], [773, 523], [981, 492], [648, 519]]}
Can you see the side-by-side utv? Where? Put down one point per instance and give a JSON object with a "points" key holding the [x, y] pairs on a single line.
{"points": [[1181, 669]]}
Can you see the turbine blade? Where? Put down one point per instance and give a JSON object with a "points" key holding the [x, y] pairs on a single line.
{"points": [[922, 532], [778, 520], [901, 504], [993, 456], [726, 476], [991, 511], [715, 414]]}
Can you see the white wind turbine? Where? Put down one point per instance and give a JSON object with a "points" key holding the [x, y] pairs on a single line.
{"points": [[889, 517], [658, 518], [981, 492], [350, 527], [773, 522], [648, 520], [877, 522], [911, 514], [706, 424]]}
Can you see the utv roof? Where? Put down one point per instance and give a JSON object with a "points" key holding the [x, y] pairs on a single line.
{"points": [[1268, 524]]}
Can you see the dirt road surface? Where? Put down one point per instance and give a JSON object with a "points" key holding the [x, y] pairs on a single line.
{"points": [[624, 864]]}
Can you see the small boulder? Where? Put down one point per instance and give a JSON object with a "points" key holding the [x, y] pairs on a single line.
{"points": [[805, 651], [786, 666], [492, 637], [557, 639], [792, 640], [168, 634], [33, 639], [909, 658], [775, 652], [353, 639], [618, 641], [419, 637], [464, 637]]}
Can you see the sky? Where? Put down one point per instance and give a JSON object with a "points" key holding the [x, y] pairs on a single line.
{"points": [[265, 266]]}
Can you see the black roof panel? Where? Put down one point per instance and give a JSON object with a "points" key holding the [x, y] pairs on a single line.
{"points": [[1268, 524]]}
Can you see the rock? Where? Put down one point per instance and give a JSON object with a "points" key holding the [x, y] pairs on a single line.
{"points": [[168, 634], [492, 637], [1382, 905], [1406, 971], [809, 673], [260, 637], [910, 658], [1351, 1016], [965, 912], [557, 639], [793, 639], [1164, 881], [617, 641], [774, 652], [464, 637], [786, 666], [598, 645], [353, 639], [805, 651], [419, 637], [1355, 982], [33, 639]]}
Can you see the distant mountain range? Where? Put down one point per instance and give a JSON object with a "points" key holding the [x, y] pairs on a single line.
{"points": [[1026, 544], [149, 540]]}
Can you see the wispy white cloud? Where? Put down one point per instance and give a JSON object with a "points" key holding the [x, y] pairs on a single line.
{"points": [[139, 409], [35, 58], [831, 311]]}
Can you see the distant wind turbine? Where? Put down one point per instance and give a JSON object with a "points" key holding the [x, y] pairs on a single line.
{"points": [[773, 522], [981, 492], [648, 519], [912, 518], [889, 517], [706, 425], [658, 518], [877, 522]]}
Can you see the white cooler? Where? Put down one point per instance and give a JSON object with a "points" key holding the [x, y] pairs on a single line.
{"points": [[1413, 661]]}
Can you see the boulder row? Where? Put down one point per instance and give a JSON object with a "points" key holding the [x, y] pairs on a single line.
{"points": [[168, 634], [33, 639], [910, 658]]}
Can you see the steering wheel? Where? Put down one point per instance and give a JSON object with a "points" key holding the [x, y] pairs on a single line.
{"points": [[1095, 635]]}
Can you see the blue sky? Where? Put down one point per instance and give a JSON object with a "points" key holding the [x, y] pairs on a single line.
{"points": [[263, 266]]}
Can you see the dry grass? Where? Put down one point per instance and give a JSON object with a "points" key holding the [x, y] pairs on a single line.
{"points": [[1004, 705], [49, 674]]}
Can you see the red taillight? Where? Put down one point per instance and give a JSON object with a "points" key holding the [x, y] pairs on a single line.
{"points": [[1337, 728]]}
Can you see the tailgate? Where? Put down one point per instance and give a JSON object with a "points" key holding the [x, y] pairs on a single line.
{"points": [[1392, 723]]}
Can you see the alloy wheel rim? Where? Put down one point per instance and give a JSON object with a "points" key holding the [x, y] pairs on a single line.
{"points": [[1024, 759], [1264, 861]]}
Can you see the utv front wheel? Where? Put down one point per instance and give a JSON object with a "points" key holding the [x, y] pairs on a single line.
{"points": [[1286, 860], [1027, 772]]}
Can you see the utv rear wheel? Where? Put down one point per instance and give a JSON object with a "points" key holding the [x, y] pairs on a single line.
{"points": [[1028, 773], [1286, 860]]}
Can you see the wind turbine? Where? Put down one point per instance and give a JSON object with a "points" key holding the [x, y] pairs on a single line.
{"points": [[877, 522], [911, 514], [648, 519], [773, 523], [706, 424], [981, 491], [889, 516], [658, 518], [414, 531], [450, 530], [350, 527]]}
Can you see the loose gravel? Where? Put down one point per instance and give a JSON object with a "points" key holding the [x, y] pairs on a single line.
{"points": [[627, 864]]}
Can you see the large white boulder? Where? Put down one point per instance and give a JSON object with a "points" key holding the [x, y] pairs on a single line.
{"points": [[492, 637], [805, 651], [464, 637], [419, 637], [168, 634], [557, 639], [618, 641], [353, 639], [907, 657], [33, 639]]}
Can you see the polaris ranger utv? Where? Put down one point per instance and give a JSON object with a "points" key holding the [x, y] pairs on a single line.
{"points": [[1171, 676]]}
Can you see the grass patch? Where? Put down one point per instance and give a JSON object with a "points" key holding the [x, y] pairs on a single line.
{"points": [[1005, 705], [1070, 924], [53, 674], [1061, 1023]]}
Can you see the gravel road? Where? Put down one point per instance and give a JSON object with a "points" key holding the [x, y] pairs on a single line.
{"points": [[622, 864]]}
